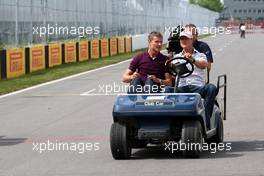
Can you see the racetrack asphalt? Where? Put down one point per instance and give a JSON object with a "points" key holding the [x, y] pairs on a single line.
{"points": [[66, 111]]}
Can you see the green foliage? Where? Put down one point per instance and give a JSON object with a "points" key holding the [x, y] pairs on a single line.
{"points": [[1, 45], [214, 5]]}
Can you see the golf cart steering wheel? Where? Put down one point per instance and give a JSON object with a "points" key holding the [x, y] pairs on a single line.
{"points": [[183, 68]]}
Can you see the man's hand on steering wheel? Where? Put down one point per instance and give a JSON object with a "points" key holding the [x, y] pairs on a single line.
{"points": [[183, 68], [188, 56]]}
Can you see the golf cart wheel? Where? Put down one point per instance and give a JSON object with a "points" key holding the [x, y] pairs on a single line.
{"points": [[219, 136], [119, 143], [192, 137]]}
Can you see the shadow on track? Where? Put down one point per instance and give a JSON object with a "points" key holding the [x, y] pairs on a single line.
{"points": [[11, 141]]}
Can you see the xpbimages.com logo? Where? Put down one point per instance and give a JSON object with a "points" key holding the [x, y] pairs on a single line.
{"points": [[122, 88], [79, 31], [213, 31], [53, 146], [211, 147]]}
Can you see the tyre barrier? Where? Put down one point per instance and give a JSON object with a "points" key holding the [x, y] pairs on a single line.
{"points": [[16, 62]]}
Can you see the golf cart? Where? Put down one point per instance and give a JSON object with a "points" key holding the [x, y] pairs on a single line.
{"points": [[142, 119]]}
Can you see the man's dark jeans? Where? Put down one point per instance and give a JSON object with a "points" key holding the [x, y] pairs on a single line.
{"points": [[139, 86], [208, 92]]}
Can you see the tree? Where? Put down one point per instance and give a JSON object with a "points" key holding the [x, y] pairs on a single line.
{"points": [[214, 5]]}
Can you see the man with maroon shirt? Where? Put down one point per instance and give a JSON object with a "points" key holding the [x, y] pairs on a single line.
{"points": [[147, 71]]}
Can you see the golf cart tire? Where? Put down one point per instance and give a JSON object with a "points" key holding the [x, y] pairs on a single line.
{"points": [[192, 134], [119, 143], [219, 136]]}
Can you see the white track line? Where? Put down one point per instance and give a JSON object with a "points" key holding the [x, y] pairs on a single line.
{"points": [[88, 92], [62, 79]]}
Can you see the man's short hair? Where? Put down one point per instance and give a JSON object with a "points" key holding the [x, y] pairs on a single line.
{"points": [[193, 27], [154, 34]]}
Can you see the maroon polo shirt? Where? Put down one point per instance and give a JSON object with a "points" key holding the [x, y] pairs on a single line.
{"points": [[145, 65]]}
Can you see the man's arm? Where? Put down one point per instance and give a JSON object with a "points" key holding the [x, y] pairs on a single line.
{"points": [[167, 81], [129, 75], [131, 72], [201, 63]]}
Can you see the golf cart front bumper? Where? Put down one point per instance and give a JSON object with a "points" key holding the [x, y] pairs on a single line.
{"points": [[174, 105]]}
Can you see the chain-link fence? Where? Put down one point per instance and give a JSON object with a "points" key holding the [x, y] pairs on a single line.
{"points": [[18, 18]]}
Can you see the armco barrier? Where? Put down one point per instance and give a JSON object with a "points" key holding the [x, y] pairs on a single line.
{"points": [[15, 62], [35, 58], [83, 50], [95, 49], [54, 56], [69, 52], [121, 45], [104, 47], [113, 46]]}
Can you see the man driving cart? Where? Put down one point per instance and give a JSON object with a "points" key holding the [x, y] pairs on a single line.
{"points": [[195, 83]]}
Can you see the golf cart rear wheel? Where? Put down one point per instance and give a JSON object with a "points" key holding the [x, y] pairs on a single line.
{"points": [[219, 136], [192, 138], [119, 142]]}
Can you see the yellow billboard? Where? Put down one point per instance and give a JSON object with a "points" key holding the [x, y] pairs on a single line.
{"points": [[104, 46], [83, 50], [121, 45], [113, 46], [15, 62], [70, 52], [128, 44], [95, 51], [55, 56], [37, 58]]}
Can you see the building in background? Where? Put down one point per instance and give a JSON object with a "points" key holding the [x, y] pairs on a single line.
{"points": [[243, 10]]}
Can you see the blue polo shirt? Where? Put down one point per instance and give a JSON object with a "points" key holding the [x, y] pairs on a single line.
{"points": [[145, 65], [203, 47]]}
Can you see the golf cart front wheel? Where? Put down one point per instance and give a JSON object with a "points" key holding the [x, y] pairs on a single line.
{"points": [[192, 138], [119, 142]]}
